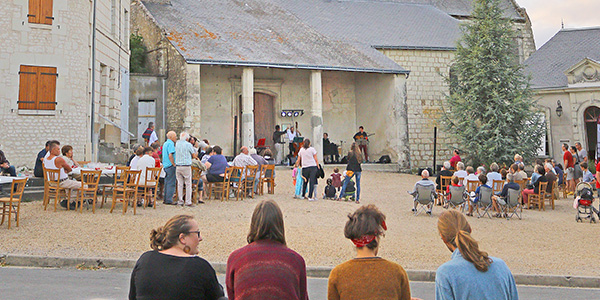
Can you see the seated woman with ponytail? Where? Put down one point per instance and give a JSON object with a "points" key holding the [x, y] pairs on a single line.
{"points": [[173, 270], [471, 274], [367, 276]]}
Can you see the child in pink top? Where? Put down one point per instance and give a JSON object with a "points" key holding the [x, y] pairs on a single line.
{"points": [[336, 178]]}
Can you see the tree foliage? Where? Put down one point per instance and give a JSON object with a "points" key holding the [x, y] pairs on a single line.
{"points": [[139, 54], [491, 111]]}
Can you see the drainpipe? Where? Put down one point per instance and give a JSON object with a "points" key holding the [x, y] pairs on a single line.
{"points": [[92, 116]]}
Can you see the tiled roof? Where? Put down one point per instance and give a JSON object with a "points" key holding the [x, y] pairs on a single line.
{"points": [[457, 8], [568, 47], [259, 33], [379, 24]]}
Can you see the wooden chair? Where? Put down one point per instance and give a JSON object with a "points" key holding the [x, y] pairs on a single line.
{"points": [[267, 175], [53, 189], [233, 176], [497, 186], [128, 192], [119, 181], [148, 190], [538, 198], [250, 173], [551, 196], [441, 190], [472, 185], [89, 188], [230, 174], [8, 203], [196, 174], [563, 186]]}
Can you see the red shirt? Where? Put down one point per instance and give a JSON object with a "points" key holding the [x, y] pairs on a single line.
{"points": [[569, 158], [454, 160], [598, 170]]}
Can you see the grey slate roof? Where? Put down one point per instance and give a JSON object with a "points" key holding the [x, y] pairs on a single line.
{"points": [[457, 8], [568, 47], [379, 24], [258, 33]]}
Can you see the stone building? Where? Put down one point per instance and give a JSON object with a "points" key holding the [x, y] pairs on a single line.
{"points": [[46, 75], [565, 75], [353, 51]]}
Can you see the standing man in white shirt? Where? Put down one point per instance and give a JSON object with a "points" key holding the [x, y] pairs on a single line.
{"points": [[583, 155], [184, 152]]}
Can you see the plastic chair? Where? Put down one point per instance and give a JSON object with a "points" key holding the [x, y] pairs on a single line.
{"points": [[8, 203]]}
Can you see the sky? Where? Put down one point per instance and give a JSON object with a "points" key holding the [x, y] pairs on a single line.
{"points": [[546, 16]]}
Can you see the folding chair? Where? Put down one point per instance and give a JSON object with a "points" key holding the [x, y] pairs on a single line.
{"points": [[538, 199], [424, 197], [458, 197], [441, 189], [8, 203], [513, 205], [522, 184], [485, 201], [89, 188]]}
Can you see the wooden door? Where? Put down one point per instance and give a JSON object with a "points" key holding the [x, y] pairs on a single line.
{"points": [[264, 118]]}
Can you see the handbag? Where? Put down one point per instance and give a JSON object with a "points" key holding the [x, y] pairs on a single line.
{"points": [[320, 172]]}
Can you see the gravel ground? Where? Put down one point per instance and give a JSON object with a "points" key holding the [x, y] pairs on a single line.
{"points": [[546, 242]]}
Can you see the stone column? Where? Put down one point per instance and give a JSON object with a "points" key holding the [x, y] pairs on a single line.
{"points": [[193, 100], [247, 108], [401, 115], [316, 121]]}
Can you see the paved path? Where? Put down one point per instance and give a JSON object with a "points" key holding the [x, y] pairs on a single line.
{"points": [[35, 283]]}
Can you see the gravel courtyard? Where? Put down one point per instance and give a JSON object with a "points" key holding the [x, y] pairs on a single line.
{"points": [[544, 242]]}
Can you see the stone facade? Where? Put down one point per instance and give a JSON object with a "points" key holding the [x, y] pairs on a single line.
{"points": [[65, 45], [426, 91]]}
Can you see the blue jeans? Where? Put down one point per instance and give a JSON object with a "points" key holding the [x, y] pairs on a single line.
{"points": [[170, 184], [346, 180]]}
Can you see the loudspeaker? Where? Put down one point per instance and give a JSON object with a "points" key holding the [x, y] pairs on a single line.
{"points": [[385, 159]]}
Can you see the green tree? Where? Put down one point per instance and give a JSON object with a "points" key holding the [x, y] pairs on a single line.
{"points": [[139, 54], [490, 109]]}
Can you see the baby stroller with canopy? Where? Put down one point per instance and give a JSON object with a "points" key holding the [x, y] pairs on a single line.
{"points": [[584, 198]]}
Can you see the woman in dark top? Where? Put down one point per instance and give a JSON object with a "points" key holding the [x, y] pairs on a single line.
{"points": [[353, 169], [173, 270], [536, 185], [216, 166]]}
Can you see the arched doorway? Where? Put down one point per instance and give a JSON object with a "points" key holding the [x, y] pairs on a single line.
{"points": [[590, 116]]}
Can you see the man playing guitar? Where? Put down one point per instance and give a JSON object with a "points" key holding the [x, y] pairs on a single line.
{"points": [[362, 139]]}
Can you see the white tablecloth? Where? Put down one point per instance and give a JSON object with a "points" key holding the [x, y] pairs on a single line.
{"points": [[105, 172], [8, 179]]}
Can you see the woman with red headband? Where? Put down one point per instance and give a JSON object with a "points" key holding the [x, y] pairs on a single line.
{"points": [[367, 276]]}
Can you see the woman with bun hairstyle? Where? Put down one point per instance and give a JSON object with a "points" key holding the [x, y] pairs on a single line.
{"points": [[172, 270], [471, 274], [367, 276]]}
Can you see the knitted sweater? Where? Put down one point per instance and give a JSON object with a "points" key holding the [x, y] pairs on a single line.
{"points": [[368, 278], [265, 270]]}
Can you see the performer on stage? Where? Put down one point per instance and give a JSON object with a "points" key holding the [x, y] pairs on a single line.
{"points": [[291, 134], [362, 139], [278, 143]]}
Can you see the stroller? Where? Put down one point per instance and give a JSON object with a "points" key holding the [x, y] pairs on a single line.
{"points": [[583, 202]]}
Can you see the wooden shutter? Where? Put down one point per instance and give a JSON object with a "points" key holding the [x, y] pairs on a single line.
{"points": [[34, 11], [47, 88], [46, 12], [28, 87]]}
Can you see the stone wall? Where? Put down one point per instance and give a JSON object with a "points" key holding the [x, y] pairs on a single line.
{"points": [[65, 45], [425, 94], [145, 87]]}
